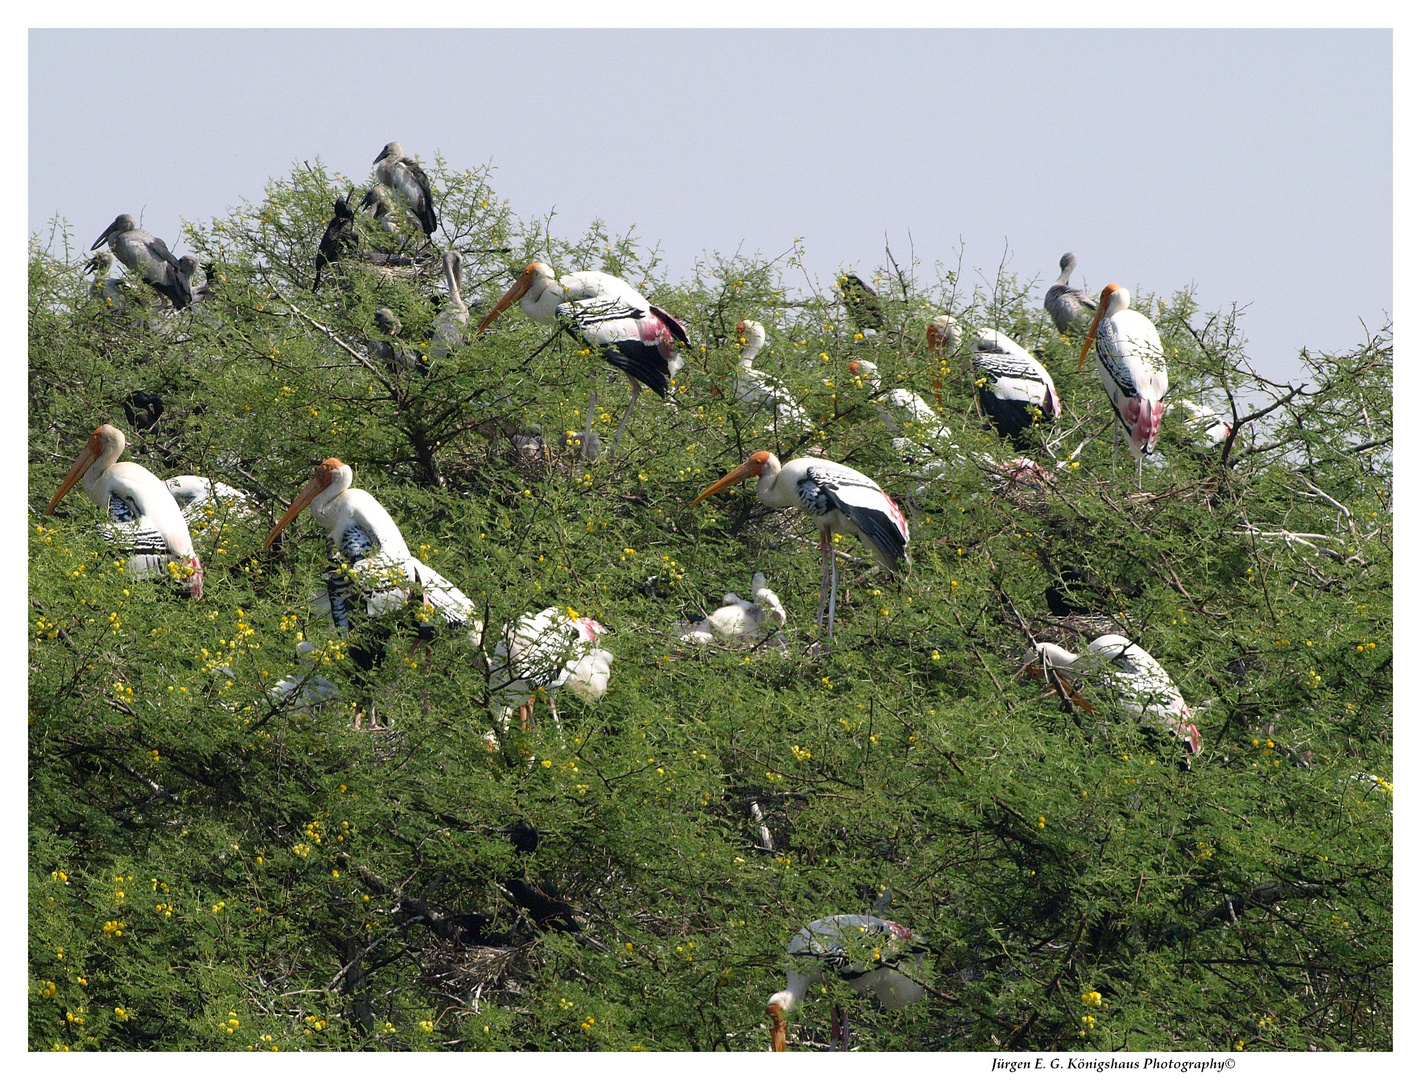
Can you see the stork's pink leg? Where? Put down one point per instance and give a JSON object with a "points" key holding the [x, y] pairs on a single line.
{"points": [[824, 546], [587, 442], [833, 586]]}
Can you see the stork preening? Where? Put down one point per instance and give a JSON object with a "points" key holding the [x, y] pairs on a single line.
{"points": [[376, 560], [868, 954], [543, 652], [1141, 685], [632, 334], [148, 257], [1130, 359], [188, 266], [739, 621], [1065, 304], [143, 516], [943, 339], [842, 500], [761, 391], [1013, 387], [453, 317], [380, 205], [339, 234], [404, 176]]}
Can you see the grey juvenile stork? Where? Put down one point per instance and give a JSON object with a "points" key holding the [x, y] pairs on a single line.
{"points": [[1066, 305], [148, 257], [404, 176], [453, 318], [104, 288]]}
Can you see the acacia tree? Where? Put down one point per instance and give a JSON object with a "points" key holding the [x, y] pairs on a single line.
{"points": [[212, 867]]}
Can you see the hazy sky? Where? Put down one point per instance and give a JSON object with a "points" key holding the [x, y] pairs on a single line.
{"points": [[1255, 164]]}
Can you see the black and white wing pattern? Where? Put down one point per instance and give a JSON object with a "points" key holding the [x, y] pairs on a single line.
{"points": [[853, 945], [420, 195], [631, 339], [1112, 353], [441, 596], [830, 487]]}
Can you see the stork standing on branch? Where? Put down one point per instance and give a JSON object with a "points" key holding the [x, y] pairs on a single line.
{"points": [[633, 335], [148, 257], [144, 517], [1067, 305], [1130, 360], [841, 499], [404, 176]]}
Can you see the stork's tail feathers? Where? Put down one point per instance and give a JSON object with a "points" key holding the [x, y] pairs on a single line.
{"points": [[1142, 417]]}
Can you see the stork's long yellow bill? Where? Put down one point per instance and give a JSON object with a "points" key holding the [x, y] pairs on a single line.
{"points": [[86, 459], [1100, 305], [507, 300], [751, 468], [314, 487]]}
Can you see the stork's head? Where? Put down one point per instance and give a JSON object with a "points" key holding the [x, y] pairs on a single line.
{"points": [[749, 332], [393, 151], [99, 264], [330, 473], [533, 274], [943, 335], [1113, 300], [106, 444], [866, 370], [780, 1004], [387, 321], [122, 223], [754, 466]]}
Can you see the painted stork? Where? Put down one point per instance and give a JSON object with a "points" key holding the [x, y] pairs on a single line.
{"points": [[760, 391], [862, 303], [188, 266], [742, 621], [904, 413], [867, 953], [1013, 387], [1202, 422], [1066, 305], [404, 176], [144, 518], [632, 334], [393, 353], [339, 234], [943, 339], [1130, 359], [545, 651], [381, 567], [841, 499], [148, 257], [453, 318], [1142, 686], [379, 204], [203, 501]]}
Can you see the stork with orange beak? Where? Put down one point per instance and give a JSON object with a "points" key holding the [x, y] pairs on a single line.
{"points": [[943, 339], [365, 536], [633, 335], [1130, 359], [841, 499], [144, 515]]}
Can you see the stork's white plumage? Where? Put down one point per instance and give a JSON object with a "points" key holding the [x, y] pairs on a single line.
{"points": [[1202, 422], [545, 651], [632, 334], [1014, 388], [761, 391], [381, 567], [867, 953], [739, 620], [904, 413], [842, 500], [1140, 682], [144, 517], [1130, 359]]}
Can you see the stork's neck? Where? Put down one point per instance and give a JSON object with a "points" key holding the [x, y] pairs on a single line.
{"points": [[451, 280], [540, 302], [324, 507], [1068, 267], [769, 492], [96, 479]]}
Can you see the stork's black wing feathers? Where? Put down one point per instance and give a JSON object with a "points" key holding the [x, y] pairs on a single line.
{"points": [[642, 362], [672, 323], [877, 527], [427, 219]]}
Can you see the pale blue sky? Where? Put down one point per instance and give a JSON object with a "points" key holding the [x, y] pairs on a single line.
{"points": [[1255, 164]]}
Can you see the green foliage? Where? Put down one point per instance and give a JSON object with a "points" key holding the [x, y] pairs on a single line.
{"points": [[211, 870]]}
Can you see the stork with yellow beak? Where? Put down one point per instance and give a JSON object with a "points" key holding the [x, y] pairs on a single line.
{"points": [[1130, 359], [842, 500], [633, 335], [367, 538], [144, 517]]}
